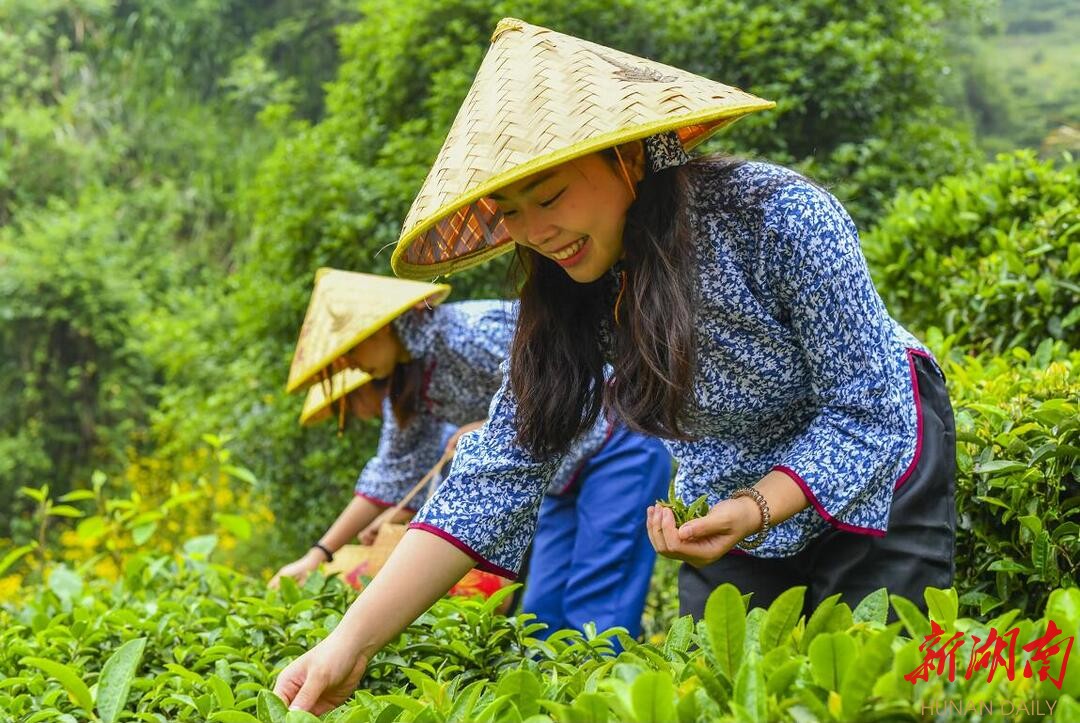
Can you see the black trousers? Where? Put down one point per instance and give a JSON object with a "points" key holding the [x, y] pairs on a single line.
{"points": [[916, 552]]}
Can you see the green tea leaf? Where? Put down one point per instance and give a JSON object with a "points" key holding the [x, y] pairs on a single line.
{"points": [[73, 684], [221, 691], [241, 473], [915, 622], [12, 557], [465, 702], [779, 681], [712, 684], [270, 708], [201, 547], [91, 528], [943, 606], [65, 511], [819, 622], [1040, 554], [653, 695], [725, 620], [289, 590], [66, 584], [116, 677], [831, 654], [1067, 710], [524, 690], [590, 708], [781, 618], [140, 534], [238, 525], [1031, 522], [77, 496], [872, 660], [874, 608], [1063, 607], [750, 690], [999, 466], [679, 637], [301, 716], [233, 716]]}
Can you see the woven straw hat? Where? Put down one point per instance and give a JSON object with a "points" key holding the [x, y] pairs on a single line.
{"points": [[321, 396], [346, 308], [539, 99]]}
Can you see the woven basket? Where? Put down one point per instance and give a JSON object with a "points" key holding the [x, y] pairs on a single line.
{"points": [[356, 562]]}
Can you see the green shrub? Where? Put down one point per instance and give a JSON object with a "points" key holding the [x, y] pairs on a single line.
{"points": [[1018, 483], [187, 640], [991, 257], [73, 388]]}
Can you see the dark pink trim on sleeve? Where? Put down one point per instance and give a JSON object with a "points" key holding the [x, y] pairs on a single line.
{"points": [[821, 509], [481, 562], [383, 503], [912, 353]]}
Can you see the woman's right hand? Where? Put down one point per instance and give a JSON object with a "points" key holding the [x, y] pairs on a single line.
{"points": [[299, 569], [421, 569], [322, 678]]}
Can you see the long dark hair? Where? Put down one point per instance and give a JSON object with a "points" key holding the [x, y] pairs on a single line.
{"points": [[557, 358], [406, 390]]}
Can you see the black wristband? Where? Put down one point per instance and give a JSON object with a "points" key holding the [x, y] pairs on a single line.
{"points": [[325, 551]]}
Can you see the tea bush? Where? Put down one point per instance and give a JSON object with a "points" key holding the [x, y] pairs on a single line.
{"points": [[991, 257], [184, 639], [1018, 481]]}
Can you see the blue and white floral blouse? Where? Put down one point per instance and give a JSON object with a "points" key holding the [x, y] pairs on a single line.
{"points": [[462, 346], [799, 369]]}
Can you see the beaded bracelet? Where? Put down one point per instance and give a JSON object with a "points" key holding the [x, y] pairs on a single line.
{"points": [[325, 551], [766, 519]]}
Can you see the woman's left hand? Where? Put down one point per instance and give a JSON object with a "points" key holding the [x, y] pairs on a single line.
{"points": [[707, 538]]}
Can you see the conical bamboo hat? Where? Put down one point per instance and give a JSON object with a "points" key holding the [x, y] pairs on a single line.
{"points": [[541, 98], [347, 307], [322, 395]]}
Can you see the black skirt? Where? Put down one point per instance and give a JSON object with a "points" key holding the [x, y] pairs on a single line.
{"points": [[916, 552]]}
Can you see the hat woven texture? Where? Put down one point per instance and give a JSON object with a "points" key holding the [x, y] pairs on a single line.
{"points": [[347, 307], [539, 99], [325, 393]]}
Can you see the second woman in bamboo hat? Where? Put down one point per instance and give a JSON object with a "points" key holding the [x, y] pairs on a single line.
{"points": [[440, 363]]}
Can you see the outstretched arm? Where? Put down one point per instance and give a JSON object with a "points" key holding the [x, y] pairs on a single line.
{"points": [[421, 569]]}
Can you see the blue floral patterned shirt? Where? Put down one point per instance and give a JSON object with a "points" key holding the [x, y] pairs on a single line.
{"points": [[799, 369], [461, 346]]}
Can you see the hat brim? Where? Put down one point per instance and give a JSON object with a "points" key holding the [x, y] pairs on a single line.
{"points": [[317, 405], [304, 377], [693, 129]]}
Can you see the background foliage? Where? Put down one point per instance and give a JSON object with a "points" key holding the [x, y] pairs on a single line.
{"points": [[171, 177]]}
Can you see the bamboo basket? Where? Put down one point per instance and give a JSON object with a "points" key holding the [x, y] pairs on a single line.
{"points": [[355, 562]]}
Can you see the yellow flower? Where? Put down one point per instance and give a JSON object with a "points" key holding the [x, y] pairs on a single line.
{"points": [[106, 569], [9, 587]]}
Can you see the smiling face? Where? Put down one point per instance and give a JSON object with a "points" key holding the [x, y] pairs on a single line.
{"points": [[574, 213]]}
